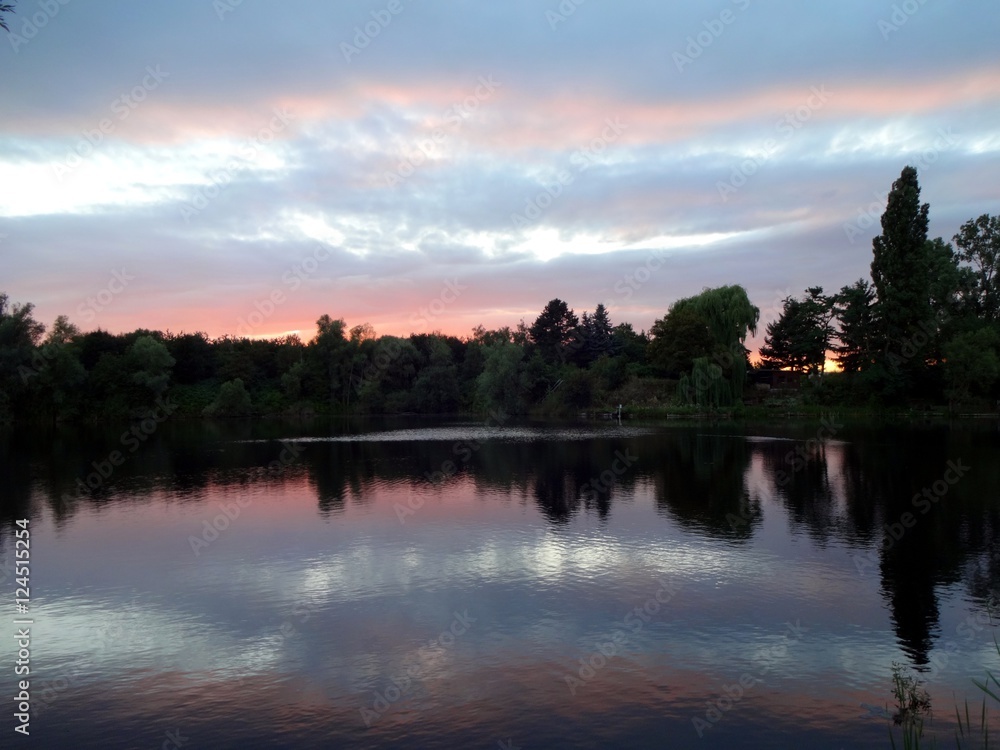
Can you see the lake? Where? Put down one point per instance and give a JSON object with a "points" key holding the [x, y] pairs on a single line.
{"points": [[429, 583]]}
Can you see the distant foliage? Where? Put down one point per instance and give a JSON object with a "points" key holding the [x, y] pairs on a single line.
{"points": [[233, 401]]}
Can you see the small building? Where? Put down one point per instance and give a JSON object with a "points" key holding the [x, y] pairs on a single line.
{"points": [[788, 380]]}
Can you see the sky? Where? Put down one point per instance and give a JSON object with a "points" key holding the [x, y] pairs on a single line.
{"points": [[240, 167]]}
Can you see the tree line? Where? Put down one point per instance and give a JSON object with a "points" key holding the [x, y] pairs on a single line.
{"points": [[560, 362], [925, 328]]}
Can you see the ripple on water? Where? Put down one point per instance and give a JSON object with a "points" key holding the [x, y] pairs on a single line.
{"points": [[477, 433]]}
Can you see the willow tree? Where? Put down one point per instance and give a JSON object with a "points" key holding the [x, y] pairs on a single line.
{"points": [[730, 317]]}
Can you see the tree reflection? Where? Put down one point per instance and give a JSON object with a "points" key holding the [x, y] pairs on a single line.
{"points": [[700, 482], [854, 491]]}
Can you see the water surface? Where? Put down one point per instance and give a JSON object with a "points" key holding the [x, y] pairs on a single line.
{"points": [[428, 584]]}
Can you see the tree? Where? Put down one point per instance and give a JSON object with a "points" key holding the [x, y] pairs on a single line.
{"points": [[435, 390], [598, 334], [943, 279], [800, 337], [60, 377], [62, 331], [946, 280], [789, 342], [854, 308], [19, 333], [327, 357], [971, 364], [5, 8], [704, 386], [553, 331], [730, 317], [233, 401], [291, 381], [360, 333], [151, 364], [978, 243], [501, 385], [679, 338], [630, 345], [484, 337], [900, 274], [194, 358]]}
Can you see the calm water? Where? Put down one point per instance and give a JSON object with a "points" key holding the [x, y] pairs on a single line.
{"points": [[427, 584]]}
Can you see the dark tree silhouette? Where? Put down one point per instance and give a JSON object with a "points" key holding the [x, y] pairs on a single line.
{"points": [[554, 331], [5, 8]]}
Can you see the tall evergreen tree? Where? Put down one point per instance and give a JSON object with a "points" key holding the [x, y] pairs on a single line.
{"points": [[854, 307], [554, 331], [600, 334], [900, 274], [800, 337]]}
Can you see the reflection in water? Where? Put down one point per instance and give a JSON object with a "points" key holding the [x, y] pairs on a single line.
{"points": [[701, 482], [355, 551]]}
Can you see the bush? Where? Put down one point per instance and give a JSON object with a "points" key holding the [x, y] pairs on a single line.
{"points": [[233, 401]]}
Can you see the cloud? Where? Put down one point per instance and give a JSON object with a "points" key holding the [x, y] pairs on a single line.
{"points": [[491, 146]]}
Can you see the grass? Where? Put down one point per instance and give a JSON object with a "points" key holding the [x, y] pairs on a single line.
{"points": [[967, 732], [913, 706]]}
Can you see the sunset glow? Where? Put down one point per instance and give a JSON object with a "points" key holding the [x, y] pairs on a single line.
{"points": [[212, 174]]}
